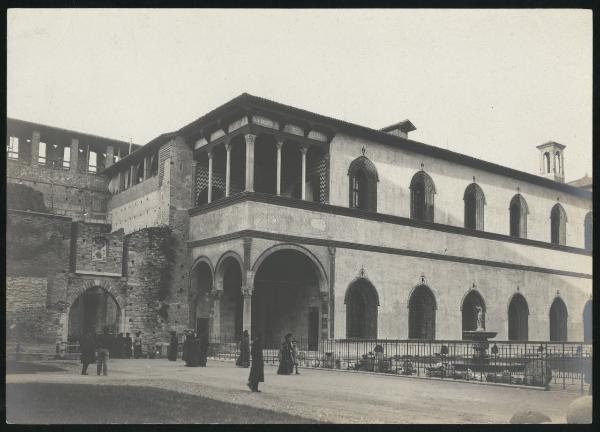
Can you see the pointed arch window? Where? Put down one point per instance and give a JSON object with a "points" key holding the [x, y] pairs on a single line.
{"points": [[363, 184], [518, 216], [518, 318], [474, 202], [422, 191], [558, 225], [558, 321]]}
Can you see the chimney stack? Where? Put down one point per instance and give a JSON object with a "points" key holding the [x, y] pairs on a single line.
{"points": [[400, 129]]}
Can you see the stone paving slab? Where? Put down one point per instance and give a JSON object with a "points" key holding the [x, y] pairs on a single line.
{"points": [[326, 395]]}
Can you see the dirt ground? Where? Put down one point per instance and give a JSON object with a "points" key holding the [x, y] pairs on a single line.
{"points": [[324, 395]]}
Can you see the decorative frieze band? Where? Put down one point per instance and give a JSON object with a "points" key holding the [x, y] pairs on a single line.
{"points": [[293, 129], [317, 136], [264, 121], [237, 124]]}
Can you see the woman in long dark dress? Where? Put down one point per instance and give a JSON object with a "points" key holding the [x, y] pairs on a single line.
{"points": [[192, 358], [257, 370], [286, 364], [187, 343], [244, 358], [173, 346]]}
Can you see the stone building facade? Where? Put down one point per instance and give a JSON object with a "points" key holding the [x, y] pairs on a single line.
{"points": [[269, 218]]}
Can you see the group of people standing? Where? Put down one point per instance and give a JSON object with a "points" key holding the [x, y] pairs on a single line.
{"points": [[99, 348], [195, 349], [288, 356]]}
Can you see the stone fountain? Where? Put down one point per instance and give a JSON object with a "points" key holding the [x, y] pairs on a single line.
{"points": [[480, 338]]}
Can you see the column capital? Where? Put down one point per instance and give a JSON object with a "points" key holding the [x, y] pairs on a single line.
{"points": [[247, 292], [304, 149], [279, 144], [228, 146], [331, 250], [250, 138], [217, 294], [210, 154]]}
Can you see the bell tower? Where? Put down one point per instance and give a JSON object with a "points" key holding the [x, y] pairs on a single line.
{"points": [[552, 161]]}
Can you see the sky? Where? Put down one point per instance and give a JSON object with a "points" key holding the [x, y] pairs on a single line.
{"points": [[491, 84]]}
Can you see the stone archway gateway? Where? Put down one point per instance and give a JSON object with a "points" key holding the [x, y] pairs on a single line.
{"points": [[287, 298], [92, 311]]}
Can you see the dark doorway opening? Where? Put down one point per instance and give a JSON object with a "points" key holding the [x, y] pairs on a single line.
{"points": [[421, 314], [313, 328], [518, 319]]}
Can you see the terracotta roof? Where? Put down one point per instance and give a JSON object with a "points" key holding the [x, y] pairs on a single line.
{"points": [[246, 100], [585, 181]]}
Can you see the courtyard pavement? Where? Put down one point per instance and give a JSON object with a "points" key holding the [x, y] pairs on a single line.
{"points": [[324, 395]]}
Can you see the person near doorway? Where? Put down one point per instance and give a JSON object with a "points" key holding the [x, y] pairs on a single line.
{"points": [[257, 370], [173, 347], [128, 343], [120, 346], [285, 356], [88, 352], [244, 358], [202, 348], [137, 345], [295, 355], [103, 343]]}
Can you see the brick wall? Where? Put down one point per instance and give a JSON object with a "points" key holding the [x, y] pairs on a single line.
{"points": [[27, 317]]}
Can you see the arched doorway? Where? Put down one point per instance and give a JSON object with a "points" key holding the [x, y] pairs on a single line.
{"points": [[471, 303], [587, 322], [232, 301], [518, 316], [361, 310], [421, 314], [201, 299], [286, 298], [558, 320], [93, 311]]}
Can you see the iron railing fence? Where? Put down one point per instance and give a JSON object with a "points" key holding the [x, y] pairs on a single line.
{"points": [[536, 363]]}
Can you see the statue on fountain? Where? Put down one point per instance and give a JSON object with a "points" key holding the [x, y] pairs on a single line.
{"points": [[480, 319]]}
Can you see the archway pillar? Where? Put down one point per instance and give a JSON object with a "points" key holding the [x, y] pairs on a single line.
{"points": [[216, 318], [247, 291]]}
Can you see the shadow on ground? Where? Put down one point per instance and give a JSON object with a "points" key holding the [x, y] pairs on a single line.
{"points": [[33, 403], [18, 367]]}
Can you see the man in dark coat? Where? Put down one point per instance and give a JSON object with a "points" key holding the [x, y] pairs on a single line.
{"points": [[257, 370], [173, 346], [286, 364], [137, 345], [88, 351], [244, 358], [128, 343]]}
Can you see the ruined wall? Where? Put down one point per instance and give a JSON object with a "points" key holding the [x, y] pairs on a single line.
{"points": [[76, 195]]}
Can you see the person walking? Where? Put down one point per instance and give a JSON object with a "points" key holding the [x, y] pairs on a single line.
{"points": [[88, 352], [257, 370], [103, 343], [137, 345], [244, 358], [295, 355], [173, 347], [285, 356]]}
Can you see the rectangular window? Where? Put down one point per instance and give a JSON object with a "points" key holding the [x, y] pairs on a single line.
{"points": [[13, 148], [42, 153], [92, 162], [67, 157]]}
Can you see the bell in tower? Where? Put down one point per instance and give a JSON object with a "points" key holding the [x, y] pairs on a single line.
{"points": [[552, 162]]}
